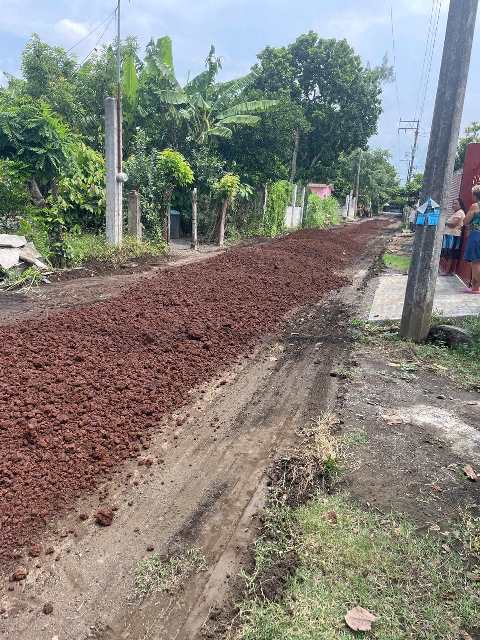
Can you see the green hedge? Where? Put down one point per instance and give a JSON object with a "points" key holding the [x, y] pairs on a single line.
{"points": [[321, 212], [278, 199]]}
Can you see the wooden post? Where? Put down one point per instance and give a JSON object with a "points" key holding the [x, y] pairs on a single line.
{"points": [[194, 244], [422, 276], [221, 227], [134, 215]]}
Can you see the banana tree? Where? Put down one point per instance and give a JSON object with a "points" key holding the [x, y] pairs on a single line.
{"points": [[201, 103]]}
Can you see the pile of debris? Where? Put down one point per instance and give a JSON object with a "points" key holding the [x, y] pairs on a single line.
{"points": [[17, 253]]}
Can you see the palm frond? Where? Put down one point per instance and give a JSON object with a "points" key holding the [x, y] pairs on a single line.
{"points": [[129, 80], [254, 106], [240, 119], [220, 132], [172, 96]]}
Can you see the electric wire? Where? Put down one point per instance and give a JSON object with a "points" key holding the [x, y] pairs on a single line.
{"points": [[427, 82], [99, 39], [94, 30], [425, 56]]}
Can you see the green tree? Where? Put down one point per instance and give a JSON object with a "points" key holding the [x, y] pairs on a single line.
{"points": [[226, 190], [378, 177], [156, 175], [339, 96], [202, 105], [471, 134]]}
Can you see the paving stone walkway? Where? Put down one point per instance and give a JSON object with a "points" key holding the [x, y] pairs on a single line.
{"points": [[450, 300]]}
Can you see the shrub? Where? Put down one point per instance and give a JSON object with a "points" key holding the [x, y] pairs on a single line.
{"points": [[81, 191], [278, 199], [14, 198], [156, 175], [321, 212]]}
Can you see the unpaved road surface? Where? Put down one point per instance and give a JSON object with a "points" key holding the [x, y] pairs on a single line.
{"points": [[98, 385]]}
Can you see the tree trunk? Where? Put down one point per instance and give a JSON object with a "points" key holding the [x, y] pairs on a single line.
{"points": [[293, 172], [35, 193], [194, 244], [221, 223]]}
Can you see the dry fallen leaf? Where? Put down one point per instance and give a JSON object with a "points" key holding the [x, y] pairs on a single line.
{"points": [[360, 619], [465, 636], [469, 471]]}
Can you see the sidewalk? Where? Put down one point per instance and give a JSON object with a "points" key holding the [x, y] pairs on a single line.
{"points": [[450, 301]]}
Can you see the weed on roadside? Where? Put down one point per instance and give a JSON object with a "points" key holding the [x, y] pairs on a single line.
{"points": [[461, 364], [14, 281], [88, 246], [348, 556], [154, 574]]}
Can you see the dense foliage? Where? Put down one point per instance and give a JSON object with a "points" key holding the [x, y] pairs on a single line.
{"points": [[300, 114], [321, 212], [278, 198], [471, 134]]}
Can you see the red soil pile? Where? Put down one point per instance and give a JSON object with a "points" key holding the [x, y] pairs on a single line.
{"points": [[79, 392]]}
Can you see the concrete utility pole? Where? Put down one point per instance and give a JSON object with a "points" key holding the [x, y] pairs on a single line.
{"points": [[422, 277], [113, 156], [119, 95], [411, 125], [194, 243], [113, 186]]}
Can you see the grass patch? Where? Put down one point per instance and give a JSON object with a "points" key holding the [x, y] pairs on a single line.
{"points": [[348, 557], [156, 575], [397, 262], [89, 247], [461, 364]]}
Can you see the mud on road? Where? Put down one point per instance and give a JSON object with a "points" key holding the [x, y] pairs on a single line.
{"points": [[98, 386]]}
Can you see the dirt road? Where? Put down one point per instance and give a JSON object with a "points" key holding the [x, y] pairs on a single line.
{"points": [[108, 377]]}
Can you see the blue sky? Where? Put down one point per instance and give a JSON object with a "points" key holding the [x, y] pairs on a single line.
{"points": [[241, 28]]}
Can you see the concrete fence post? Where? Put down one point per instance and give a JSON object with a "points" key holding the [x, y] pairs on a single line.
{"points": [[113, 186], [194, 243], [302, 204], [134, 215]]}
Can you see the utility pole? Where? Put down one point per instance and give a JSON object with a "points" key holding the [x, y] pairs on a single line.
{"points": [[357, 181], [114, 177], [411, 125], [119, 96], [422, 277]]}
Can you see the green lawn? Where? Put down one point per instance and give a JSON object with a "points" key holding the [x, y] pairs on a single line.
{"points": [[349, 556]]}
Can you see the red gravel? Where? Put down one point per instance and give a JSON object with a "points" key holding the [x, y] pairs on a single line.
{"points": [[78, 391]]}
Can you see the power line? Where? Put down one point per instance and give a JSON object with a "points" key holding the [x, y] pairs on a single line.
{"points": [[99, 39], [85, 37], [427, 83], [425, 55]]}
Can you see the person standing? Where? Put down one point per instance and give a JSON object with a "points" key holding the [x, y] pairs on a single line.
{"points": [[472, 250], [452, 238]]}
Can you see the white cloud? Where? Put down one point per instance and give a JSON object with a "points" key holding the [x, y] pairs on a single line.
{"points": [[71, 30]]}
